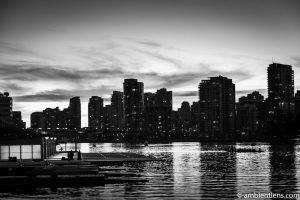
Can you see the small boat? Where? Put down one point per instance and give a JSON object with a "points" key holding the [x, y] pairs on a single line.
{"points": [[146, 143]]}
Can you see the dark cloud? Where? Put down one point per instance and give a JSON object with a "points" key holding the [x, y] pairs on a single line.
{"points": [[13, 49], [31, 72], [185, 93], [176, 80], [13, 87], [65, 95], [42, 97], [151, 43]]}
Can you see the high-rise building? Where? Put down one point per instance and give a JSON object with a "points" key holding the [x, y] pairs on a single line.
{"points": [[175, 121], [149, 114], [117, 112], [297, 103], [158, 111], [195, 115], [248, 114], [65, 119], [280, 89], [51, 119], [75, 113], [297, 111], [217, 107], [133, 105], [184, 113], [17, 120], [36, 120], [107, 118], [6, 113], [96, 113]]}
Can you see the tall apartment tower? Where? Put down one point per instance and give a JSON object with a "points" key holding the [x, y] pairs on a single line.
{"points": [[36, 120], [217, 107], [75, 113], [297, 103], [96, 113], [158, 111], [195, 114], [249, 114], [297, 110], [164, 105], [184, 114], [280, 88], [117, 112], [133, 105], [17, 120], [6, 113]]}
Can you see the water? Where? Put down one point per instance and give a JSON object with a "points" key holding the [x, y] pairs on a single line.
{"points": [[193, 171]]}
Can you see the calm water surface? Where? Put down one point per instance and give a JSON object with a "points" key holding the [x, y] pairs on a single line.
{"points": [[193, 171]]}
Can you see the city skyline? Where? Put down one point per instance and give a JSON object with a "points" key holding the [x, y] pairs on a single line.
{"points": [[47, 59]]}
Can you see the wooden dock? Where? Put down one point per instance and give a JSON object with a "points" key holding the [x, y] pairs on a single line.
{"points": [[104, 159], [54, 172]]}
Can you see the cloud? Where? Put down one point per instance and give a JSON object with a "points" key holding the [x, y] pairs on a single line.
{"points": [[14, 49], [296, 60], [42, 97], [60, 95], [32, 72], [150, 43], [185, 93]]}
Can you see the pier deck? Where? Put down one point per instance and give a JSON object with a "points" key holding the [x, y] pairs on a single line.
{"points": [[114, 158]]}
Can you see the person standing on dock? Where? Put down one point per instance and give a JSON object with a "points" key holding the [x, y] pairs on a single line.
{"points": [[79, 155], [71, 155]]}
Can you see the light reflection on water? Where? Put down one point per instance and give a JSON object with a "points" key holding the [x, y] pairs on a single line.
{"points": [[194, 170]]}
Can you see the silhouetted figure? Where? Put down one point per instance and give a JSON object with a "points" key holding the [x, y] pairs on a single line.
{"points": [[79, 155], [71, 155]]}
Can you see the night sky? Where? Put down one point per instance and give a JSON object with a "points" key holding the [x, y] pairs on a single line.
{"points": [[53, 50]]}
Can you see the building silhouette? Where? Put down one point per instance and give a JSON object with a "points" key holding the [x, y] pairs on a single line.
{"points": [[297, 111], [184, 114], [65, 119], [149, 115], [297, 103], [96, 113], [117, 112], [75, 113], [133, 105], [280, 89], [158, 111], [51, 119], [17, 120], [6, 113], [107, 118], [55, 119], [36, 120], [280, 100], [248, 119], [195, 116], [217, 107]]}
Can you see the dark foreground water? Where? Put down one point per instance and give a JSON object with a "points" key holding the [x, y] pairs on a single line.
{"points": [[193, 171]]}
